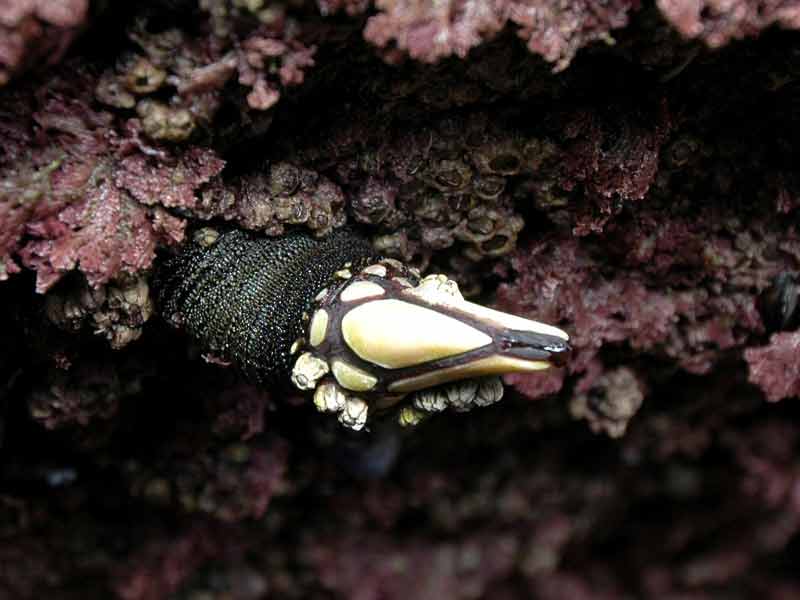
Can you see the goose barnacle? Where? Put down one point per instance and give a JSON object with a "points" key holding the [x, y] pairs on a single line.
{"points": [[380, 337]]}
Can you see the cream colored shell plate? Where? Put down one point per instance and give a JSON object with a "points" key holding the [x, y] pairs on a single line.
{"points": [[395, 334]]}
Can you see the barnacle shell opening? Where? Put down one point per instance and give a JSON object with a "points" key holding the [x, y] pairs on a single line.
{"points": [[394, 341]]}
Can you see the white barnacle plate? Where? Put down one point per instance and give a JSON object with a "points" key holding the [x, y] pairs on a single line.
{"points": [[308, 370]]}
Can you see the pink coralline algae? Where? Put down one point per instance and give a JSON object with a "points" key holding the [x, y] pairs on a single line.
{"points": [[568, 282], [261, 50], [775, 367], [258, 43], [429, 31], [33, 31], [557, 29], [91, 197], [717, 22]]}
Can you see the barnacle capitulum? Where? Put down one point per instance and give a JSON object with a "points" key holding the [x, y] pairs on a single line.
{"points": [[395, 339], [366, 335]]}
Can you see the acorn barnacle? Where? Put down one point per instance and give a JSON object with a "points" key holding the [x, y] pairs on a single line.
{"points": [[363, 334]]}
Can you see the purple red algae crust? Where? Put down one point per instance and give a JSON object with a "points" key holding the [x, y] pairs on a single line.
{"points": [[624, 171], [774, 367]]}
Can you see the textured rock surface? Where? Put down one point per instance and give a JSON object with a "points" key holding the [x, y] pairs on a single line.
{"points": [[625, 172]]}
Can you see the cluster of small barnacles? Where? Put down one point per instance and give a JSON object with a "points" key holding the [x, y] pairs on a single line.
{"points": [[443, 195], [139, 81], [117, 310], [276, 198]]}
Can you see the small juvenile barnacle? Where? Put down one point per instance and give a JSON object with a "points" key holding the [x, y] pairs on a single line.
{"points": [[205, 236], [143, 77], [498, 159], [488, 187], [380, 338], [110, 91], [354, 413], [611, 403], [449, 175], [308, 370], [284, 179], [329, 397], [374, 202], [293, 210], [165, 123]]}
